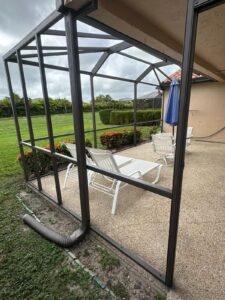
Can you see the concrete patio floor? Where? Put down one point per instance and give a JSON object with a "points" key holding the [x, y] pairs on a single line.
{"points": [[142, 219]]}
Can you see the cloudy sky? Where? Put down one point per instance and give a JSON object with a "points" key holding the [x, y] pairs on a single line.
{"points": [[18, 18]]}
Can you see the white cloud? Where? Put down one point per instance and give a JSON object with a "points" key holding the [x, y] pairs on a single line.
{"points": [[17, 18]]}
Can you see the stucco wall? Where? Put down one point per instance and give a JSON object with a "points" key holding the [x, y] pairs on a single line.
{"points": [[207, 110]]}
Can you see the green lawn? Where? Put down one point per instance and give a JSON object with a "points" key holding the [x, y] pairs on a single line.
{"points": [[61, 124], [8, 146], [31, 267]]}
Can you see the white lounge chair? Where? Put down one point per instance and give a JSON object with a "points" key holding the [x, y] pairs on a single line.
{"points": [[72, 170], [136, 168]]}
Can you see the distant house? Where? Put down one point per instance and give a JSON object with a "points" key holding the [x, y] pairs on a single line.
{"points": [[151, 100], [127, 100], [207, 106]]}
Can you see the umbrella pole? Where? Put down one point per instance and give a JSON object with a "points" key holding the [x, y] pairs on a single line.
{"points": [[173, 130]]}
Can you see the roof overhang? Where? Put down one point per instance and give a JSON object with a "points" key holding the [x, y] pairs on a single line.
{"points": [[160, 24]]}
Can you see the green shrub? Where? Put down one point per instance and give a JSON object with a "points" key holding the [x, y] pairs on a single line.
{"points": [[129, 136], [43, 160], [111, 139], [153, 130], [5, 108], [105, 116], [119, 138], [57, 106], [121, 117], [127, 117]]}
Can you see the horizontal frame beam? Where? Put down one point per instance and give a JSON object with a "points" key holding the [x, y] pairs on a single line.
{"points": [[65, 48], [155, 65], [203, 5], [154, 188], [114, 77], [96, 36], [88, 35], [135, 58], [45, 48], [44, 54], [97, 129]]}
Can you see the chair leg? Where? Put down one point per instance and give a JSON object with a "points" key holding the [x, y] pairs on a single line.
{"points": [[89, 175], [115, 197], [165, 161], [67, 174], [158, 174], [163, 158]]}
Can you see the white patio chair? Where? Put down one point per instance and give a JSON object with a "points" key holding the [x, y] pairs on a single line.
{"points": [[136, 168], [163, 145], [189, 136]]}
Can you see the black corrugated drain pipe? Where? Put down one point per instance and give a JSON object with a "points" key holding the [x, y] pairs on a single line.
{"points": [[53, 236]]}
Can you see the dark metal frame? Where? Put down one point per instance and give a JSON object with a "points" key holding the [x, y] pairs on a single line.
{"points": [[73, 51]]}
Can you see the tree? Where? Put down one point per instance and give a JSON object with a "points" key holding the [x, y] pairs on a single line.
{"points": [[103, 99]]}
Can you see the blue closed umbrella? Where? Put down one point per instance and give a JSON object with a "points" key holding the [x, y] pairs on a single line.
{"points": [[172, 110]]}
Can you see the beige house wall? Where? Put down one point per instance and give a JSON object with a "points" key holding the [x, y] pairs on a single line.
{"points": [[207, 110]]}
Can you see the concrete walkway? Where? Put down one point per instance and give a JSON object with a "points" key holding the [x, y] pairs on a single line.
{"points": [[141, 220]]}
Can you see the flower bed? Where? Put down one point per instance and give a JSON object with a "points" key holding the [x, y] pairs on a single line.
{"points": [[117, 139], [43, 160]]}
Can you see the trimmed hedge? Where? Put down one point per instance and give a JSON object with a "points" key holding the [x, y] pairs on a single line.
{"points": [[43, 160], [57, 106], [127, 117], [121, 117], [117, 139], [87, 107], [105, 116]]}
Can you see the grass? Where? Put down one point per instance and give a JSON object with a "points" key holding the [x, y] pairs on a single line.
{"points": [[120, 291], [107, 261], [159, 297], [31, 267], [61, 124], [8, 147]]}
